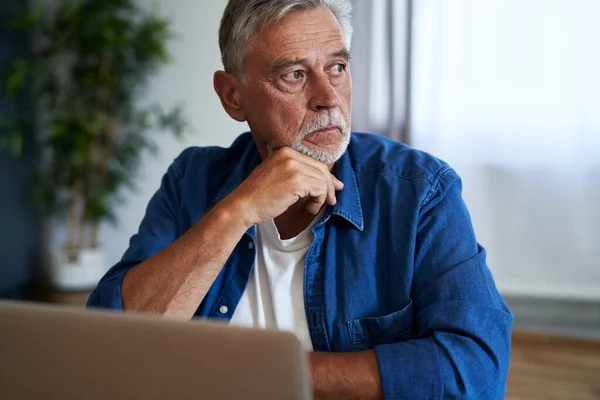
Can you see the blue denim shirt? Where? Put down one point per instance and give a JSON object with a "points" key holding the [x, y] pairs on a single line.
{"points": [[394, 266]]}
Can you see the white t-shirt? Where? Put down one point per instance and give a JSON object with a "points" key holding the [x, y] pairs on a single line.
{"points": [[274, 296]]}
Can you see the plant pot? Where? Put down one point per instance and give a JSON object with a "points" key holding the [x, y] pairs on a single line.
{"points": [[77, 275]]}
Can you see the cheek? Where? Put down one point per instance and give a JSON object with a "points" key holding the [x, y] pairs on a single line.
{"points": [[276, 115], [286, 116], [347, 93]]}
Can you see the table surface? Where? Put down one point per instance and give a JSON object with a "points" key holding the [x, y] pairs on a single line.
{"points": [[549, 367], [542, 366]]}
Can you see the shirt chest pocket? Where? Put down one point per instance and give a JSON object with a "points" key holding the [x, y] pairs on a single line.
{"points": [[367, 332]]}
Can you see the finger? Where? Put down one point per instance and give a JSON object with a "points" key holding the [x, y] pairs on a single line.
{"points": [[331, 198], [332, 182], [325, 177], [336, 183], [339, 185], [318, 191], [313, 206], [325, 174]]}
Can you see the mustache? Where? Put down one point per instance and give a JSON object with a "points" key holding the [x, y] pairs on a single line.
{"points": [[325, 120]]}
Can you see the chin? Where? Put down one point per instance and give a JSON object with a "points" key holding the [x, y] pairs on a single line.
{"points": [[325, 154]]}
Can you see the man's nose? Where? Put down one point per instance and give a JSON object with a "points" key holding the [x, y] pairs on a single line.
{"points": [[323, 94]]}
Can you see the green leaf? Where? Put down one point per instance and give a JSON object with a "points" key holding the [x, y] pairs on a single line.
{"points": [[12, 136], [17, 76], [93, 63]]}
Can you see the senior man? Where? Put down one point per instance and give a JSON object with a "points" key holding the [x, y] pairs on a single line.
{"points": [[361, 246]]}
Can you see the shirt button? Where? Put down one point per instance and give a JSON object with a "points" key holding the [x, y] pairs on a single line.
{"points": [[223, 309], [250, 245]]}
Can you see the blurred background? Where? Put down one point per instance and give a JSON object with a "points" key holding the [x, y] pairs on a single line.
{"points": [[504, 90]]}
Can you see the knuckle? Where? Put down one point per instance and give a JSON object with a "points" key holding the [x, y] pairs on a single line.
{"points": [[290, 164], [286, 151], [295, 180], [322, 167], [300, 192]]}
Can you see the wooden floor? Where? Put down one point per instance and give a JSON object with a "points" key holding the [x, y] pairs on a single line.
{"points": [[553, 368]]}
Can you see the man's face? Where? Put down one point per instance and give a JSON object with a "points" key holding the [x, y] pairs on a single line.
{"points": [[297, 88]]}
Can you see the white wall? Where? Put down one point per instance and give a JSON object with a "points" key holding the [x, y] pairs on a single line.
{"points": [[187, 79]]}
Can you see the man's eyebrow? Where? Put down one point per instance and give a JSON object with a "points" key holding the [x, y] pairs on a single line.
{"points": [[343, 54], [287, 62]]}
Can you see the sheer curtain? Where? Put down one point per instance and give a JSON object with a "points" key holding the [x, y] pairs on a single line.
{"points": [[381, 67], [507, 92]]}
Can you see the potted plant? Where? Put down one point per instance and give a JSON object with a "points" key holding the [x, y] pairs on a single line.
{"points": [[91, 61]]}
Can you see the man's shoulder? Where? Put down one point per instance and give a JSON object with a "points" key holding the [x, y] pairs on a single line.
{"points": [[215, 158], [376, 155]]}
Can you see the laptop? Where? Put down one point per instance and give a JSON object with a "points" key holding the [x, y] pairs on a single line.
{"points": [[50, 352]]}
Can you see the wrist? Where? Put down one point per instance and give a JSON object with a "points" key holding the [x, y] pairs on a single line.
{"points": [[232, 212], [315, 364]]}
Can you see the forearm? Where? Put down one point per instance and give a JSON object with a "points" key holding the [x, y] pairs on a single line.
{"points": [[345, 375], [174, 281]]}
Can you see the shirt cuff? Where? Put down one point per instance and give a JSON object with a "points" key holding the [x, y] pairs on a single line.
{"points": [[108, 294], [410, 370]]}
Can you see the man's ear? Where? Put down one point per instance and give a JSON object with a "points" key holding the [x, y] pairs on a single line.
{"points": [[227, 87]]}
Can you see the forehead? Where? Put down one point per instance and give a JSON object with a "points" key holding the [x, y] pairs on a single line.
{"points": [[297, 35]]}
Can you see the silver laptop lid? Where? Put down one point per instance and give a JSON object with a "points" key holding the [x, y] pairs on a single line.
{"points": [[63, 353]]}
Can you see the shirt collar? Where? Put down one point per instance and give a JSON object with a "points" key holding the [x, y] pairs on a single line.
{"points": [[348, 204]]}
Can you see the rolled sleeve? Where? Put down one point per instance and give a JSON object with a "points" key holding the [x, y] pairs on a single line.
{"points": [[461, 347], [108, 292], [410, 370], [158, 229]]}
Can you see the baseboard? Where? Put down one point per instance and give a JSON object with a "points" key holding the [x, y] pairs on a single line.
{"points": [[575, 318]]}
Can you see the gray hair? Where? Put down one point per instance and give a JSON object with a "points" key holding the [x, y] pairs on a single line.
{"points": [[243, 18]]}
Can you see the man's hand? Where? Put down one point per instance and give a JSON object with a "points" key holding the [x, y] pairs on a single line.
{"points": [[283, 178]]}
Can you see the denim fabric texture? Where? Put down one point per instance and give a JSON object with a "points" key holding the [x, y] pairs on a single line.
{"points": [[394, 265]]}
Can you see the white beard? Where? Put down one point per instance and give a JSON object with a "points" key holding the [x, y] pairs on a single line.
{"points": [[320, 121]]}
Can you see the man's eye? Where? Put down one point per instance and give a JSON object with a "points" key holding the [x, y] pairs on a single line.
{"points": [[338, 69], [294, 76]]}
